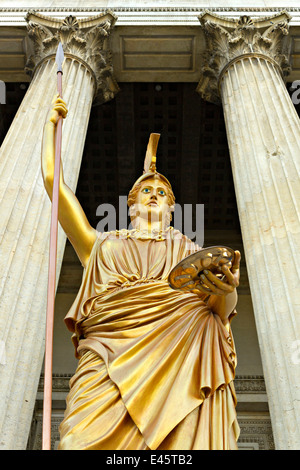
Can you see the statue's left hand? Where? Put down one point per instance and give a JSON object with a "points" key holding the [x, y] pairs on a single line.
{"points": [[212, 285]]}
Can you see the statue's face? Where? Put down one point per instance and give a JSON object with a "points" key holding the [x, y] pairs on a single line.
{"points": [[152, 200]]}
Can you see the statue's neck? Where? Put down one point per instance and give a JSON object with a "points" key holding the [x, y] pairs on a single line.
{"points": [[145, 225]]}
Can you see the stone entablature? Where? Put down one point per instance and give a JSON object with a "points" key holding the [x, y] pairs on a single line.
{"points": [[148, 44]]}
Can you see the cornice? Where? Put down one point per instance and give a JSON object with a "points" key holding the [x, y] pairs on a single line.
{"points": [[136, 15], [154, 9]]}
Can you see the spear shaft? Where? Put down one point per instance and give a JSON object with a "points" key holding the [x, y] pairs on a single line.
{"points": [[47, 404]]}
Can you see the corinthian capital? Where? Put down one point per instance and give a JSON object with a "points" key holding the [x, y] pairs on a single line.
{"points": [[229, 39], [85, 40]]}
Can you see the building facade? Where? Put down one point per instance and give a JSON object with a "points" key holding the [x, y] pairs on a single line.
{"points": [[220, 85]]}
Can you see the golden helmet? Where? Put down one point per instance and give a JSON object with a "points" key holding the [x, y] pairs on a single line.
{"points": [[150, 170]]}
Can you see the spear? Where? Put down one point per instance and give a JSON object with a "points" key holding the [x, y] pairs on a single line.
{"points": [[47, 405]]}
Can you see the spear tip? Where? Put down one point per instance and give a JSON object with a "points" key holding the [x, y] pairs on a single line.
{"points": [[59, 57]]}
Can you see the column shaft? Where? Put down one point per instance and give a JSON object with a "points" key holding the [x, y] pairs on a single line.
{"points": [[24, 230], [263, 133]]}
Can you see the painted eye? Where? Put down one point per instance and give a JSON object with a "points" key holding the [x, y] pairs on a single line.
{"points": [[146, 190], [161, 192]]}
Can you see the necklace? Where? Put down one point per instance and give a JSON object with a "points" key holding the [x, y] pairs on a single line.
{"points": [[147, 234]]}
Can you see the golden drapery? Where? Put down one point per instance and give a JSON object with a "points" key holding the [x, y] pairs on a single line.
{"points": [[156, 366]]}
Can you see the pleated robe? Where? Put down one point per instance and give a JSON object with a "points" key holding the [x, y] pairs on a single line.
{"points": [[156, 366]]}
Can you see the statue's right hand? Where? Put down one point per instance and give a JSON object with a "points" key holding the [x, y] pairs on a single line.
{"points": [[58, 108]]}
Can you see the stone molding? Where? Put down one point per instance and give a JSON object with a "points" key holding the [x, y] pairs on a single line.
{"points": [[243, 383], [229, 40], [85, 40], [154, 9], [255, 430], [146, 15]]}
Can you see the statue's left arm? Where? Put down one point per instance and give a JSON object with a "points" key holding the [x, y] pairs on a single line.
{"points": [[223, 295]]}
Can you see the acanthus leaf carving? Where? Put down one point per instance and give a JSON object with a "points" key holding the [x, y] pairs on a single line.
{"points": [[87, 42], [230, 39]]}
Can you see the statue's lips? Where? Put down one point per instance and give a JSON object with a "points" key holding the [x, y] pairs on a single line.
{"points": [[152, 203]]}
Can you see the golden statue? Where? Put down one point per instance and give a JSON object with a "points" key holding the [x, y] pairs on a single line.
{"points": [[156, 364]]}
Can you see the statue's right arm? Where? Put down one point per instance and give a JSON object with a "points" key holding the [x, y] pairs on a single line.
{"points": [[70, 213]]}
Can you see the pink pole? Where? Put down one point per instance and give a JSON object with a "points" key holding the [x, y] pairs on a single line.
{"points": [[47, 405]]}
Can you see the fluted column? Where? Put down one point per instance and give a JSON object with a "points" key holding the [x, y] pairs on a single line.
{"points": [[244, 68], [25, 208]]}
